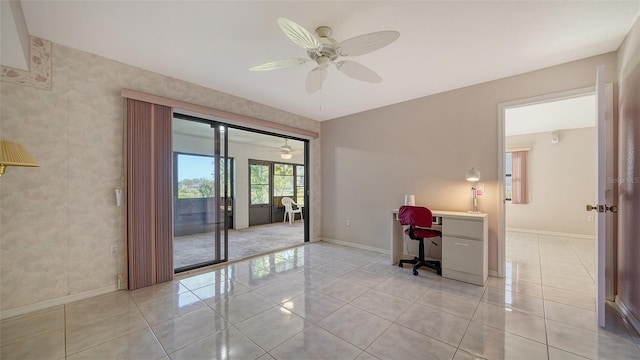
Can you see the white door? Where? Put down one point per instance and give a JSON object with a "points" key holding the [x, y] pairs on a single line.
{"points": [[604, 196]]}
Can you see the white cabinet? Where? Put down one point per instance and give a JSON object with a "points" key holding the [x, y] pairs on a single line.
{"points": [[465, 248]]}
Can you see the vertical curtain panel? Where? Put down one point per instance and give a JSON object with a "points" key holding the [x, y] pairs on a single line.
{"points": [[149, 194], [519, 177]]}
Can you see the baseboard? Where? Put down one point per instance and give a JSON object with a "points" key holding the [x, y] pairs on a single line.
{"points": [[493, 273], [627, 314], [553, 233], [9, 313], [358, 246]]}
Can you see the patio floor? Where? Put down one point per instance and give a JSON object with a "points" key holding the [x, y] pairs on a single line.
{"points": [[255, 240]]}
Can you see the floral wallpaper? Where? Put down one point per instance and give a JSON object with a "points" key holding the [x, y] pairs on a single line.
{"points": [[58, 221]]}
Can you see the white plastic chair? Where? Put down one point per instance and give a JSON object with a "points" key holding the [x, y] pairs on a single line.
{"points": [[289, 210]]}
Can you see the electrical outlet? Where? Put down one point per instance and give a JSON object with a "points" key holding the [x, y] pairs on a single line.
{"points": [[348, 222], [590, 218], [114, 250]]}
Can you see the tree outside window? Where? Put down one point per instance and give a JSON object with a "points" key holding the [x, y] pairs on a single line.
{"points": [[300, 185], [259, 184], [283, 180]]}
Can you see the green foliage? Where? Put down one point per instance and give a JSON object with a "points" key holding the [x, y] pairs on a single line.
{"points": [[195, 188]]}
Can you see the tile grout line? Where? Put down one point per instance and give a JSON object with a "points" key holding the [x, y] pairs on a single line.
{"points": [[155, 336], [469, 324], [544, 304]]}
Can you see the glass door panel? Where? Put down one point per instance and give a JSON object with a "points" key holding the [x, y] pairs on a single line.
{"points": [[201, 190], [260, 190]]}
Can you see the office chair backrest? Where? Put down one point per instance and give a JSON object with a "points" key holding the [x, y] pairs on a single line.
{"points": [[415, 216]]}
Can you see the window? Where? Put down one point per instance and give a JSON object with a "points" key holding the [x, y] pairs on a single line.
{"points": [[195, 176], [283, 180], [508, 178], [259, 184], [516, 176], [300, 185]]}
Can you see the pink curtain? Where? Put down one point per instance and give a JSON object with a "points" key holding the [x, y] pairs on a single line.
{"points": [[519, 177], [149, 196]]}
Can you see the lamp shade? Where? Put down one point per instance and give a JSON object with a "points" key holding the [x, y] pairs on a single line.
{"points": [[472, 175], [14, 154], [286, 155]]}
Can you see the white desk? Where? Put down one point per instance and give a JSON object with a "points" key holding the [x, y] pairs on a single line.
{"points": [[465, 239]]}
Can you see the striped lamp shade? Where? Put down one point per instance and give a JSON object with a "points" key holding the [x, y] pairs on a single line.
{"points": [[14, 154]]}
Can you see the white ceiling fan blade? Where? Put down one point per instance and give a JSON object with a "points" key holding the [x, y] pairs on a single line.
{"points": [[358, 71], [315, 78], [367, 43], [299, 35], [280, 64]]}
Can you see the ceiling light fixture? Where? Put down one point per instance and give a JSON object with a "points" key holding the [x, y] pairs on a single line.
{"points": [[286, 151], [286, 155]]}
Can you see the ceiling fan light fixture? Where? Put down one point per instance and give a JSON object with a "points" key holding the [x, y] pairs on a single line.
{"points": [[286, 155], [324, 50]]}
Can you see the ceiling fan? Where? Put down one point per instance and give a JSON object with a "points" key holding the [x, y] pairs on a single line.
{"points": [[324, 50], [286, 151]]}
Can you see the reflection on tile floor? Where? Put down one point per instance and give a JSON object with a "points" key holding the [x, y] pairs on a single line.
{"points": [[324, 301], [261, 239]]}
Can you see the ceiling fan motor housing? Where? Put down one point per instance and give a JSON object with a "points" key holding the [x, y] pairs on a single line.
{"points": [[328, 52]]}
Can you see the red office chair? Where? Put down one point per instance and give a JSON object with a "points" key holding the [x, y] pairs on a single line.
{"points": [[418, 218]]}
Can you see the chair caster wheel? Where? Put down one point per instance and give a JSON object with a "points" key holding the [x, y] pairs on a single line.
{"points": [[400, 265], [415, 272]]}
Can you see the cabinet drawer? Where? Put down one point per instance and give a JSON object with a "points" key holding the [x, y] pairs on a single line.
{"points": [[463, 228], [462, 255]]}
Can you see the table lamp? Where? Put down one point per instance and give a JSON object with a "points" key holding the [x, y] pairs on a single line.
{"points": [[473, 175]]}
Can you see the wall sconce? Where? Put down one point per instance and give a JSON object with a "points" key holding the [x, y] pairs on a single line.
{"points": [[473, 175], [14, 154]]}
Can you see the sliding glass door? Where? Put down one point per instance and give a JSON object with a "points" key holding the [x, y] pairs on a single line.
{"points": [[202, 205]]}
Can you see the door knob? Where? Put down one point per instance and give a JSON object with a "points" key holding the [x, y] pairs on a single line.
{"points": [[603, 208], [591, 207]]}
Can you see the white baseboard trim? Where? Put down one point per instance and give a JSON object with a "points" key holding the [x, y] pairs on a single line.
{"points": [[9, 313], [553, 233], [627, 314], [358, 246], [493, 273]]}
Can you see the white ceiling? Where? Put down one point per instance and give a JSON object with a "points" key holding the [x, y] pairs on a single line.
{"points": [[198, 129], [443, 45], [574, 113]]}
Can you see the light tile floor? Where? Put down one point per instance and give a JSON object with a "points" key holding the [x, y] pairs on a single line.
{"points": [[323, 301]]}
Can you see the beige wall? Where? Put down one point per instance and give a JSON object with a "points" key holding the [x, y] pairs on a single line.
{"points": [[424, 147], [561, 181], [58, 221], [629, 172]]}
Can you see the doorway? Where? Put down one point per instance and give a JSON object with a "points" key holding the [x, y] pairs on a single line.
{"points": [[260, 187], [553, 110], [574, 234], [269, 183], [222, 179]]}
